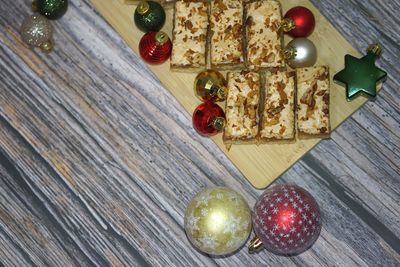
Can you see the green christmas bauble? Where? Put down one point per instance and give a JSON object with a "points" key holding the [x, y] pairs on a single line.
{"points": [[52, 9], [149, 16]]}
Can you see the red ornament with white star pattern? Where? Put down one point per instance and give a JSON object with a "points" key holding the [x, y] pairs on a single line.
{"points": [[286, 220]]}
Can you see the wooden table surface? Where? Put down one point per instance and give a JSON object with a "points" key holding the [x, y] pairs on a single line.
{"points": [[98, 161]]}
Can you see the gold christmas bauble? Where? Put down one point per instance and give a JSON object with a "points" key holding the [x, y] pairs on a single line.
{"points": [[218, 221], [210, 85]]}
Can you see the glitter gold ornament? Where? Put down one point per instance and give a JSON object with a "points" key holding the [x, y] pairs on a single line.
{"points": [[218, 221], [37, 31]]}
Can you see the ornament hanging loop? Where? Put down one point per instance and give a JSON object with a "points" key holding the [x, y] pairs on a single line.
{"points": [[287, 25], [255, 245], [375, 49]]}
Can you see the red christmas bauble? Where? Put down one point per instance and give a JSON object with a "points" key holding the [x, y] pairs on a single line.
{"points": [[155, 47], [208, 119], [303, 21], [287, 219]]}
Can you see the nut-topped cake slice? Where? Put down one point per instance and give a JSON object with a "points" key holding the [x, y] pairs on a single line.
{"points": [[226, 24], [189, 37], [242, 107], [263, 37], [277, 122], [313, 101]]}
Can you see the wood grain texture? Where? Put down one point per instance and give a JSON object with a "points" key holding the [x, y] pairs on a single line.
{"points": [[98, 160], [262, 164]]}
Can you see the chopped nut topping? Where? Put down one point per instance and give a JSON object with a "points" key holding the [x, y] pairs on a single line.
{"points": [[226, 28], [242, 106], [264, 40], [313, 100], [189, 35], [278, 113]]}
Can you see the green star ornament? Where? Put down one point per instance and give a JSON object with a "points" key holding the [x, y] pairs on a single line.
{"points": [[360, 75]]}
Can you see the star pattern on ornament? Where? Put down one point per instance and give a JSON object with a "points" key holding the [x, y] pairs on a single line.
{"points": [[236, 242], [192, 222], [203, 199], [232, 225], [204, 212], [287, 221], [360, 75], [219, 195], [208, 241]]}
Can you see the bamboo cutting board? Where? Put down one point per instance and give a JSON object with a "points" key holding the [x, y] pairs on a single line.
{"points": [[261, 165]]}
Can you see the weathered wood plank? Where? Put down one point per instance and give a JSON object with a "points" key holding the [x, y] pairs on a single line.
{"points": [[105, 159], [29, 234], [326, 250]]}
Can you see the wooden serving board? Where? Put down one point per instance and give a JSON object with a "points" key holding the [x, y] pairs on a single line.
{"points": [[261, 165]]}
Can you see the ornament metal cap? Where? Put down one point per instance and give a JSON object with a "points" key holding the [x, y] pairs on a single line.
{"points": [[288, 24], [218, 123], [289, 52], [375, 49], [221, 92], [143, 7], [34, 6], [47, 46], [161, 38], [255, 245]]}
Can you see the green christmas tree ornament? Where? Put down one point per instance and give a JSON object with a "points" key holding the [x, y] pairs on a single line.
{"points": [[149, 16], [360, 75], [52, 9]]}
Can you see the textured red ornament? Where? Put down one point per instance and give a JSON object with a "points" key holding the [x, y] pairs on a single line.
{"points": [[304, 21], [287, 219], [155, 47], [208, 119]]}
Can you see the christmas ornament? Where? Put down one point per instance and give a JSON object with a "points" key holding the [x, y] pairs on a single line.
{"points": [[37, 31], [286, 220], [360, 75], [218, 221], [299, 21], [52, 9], [155, 47], [149, 16], [210, 85], [208, 119], [300, 53]]}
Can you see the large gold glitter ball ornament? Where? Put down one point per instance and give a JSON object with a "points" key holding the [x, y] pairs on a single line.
{"points": [[218, 221], [36, 30]]}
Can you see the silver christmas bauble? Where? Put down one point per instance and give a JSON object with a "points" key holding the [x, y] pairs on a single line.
{"points": [[300, 53], [36, 30]]}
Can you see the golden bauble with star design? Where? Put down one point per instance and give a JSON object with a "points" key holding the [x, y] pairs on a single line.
{"points": [[218, 221]]}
